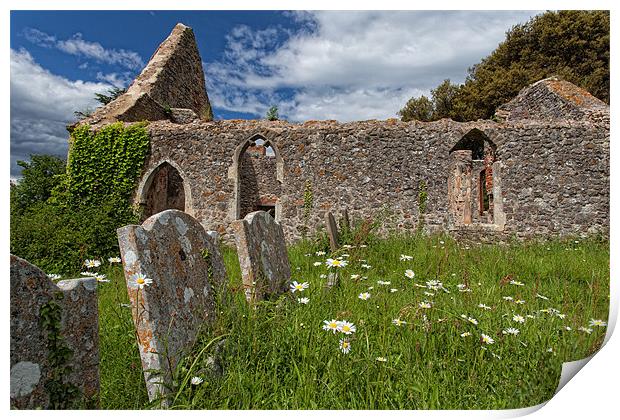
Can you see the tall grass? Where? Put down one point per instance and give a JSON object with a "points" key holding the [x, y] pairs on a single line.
{"points": [[277, 356]]}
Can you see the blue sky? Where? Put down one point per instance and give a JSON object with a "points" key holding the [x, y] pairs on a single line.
{"points": [[312, 65]]}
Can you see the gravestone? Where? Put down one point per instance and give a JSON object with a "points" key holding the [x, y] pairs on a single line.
{"points": [[184, 263], [345, 220], [54, 340], [332, 231], [262, 253]]}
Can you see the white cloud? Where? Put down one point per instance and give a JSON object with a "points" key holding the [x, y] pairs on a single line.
{"points": [[77, 46], [115, 79], [42, 104], [366, 62]]}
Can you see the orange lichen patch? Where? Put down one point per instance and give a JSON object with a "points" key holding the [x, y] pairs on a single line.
{"points": [[301, 147], [573, 93], [145, 335]]}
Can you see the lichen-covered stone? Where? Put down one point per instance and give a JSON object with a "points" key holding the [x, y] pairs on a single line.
{"points": [[185, 265], [261, 247], [32, 365]]}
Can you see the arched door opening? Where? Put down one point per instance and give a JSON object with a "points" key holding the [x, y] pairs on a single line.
{"points": [[164, 190]]}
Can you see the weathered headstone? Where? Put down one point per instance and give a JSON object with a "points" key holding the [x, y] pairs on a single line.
{"points": [[54, 340], [262, 253], [184, 263], [332, 230], [345, 220]]}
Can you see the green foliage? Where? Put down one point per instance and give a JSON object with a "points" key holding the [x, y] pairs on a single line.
{"points": [[39, 177], [420, 109], [572, 44], [62, 393], [86, 205], [272, 114], [113, 93]]}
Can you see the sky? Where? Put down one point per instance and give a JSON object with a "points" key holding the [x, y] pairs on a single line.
{"points": [[316, 65]]}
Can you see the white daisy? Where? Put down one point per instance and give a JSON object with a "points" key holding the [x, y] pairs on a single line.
{"points": [[541, 296], [483, 306], [355, 276], [331, 325], [519, 302], [336, 263], [510, 331], [139, 281], [89, 274], [384, 283], [366, 266], [409, 273], [323, 276], [486, 339], [92, 263], [466, 334], [404, 257], [597, 323], [516, 283], [197, 380], [299, 287], [345, 346], [102, 278], [393, 290], [54, 277], [508, 298], [425, 305], [317, 263], [585, 330], [434, 285], [519, 319], [429, 293], [364, 296], [381, 359], [113, 260], [303, 300], [398, 322], [346, 327], [320, 253]]}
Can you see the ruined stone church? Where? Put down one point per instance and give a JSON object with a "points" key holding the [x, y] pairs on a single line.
{"points": [[539, 168]]}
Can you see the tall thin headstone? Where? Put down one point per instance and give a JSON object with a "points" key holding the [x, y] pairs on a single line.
{"points": [[54, 340], [183, 261], [332, 231], [262, 253]]}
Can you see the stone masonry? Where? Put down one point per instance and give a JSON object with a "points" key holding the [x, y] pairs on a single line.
{"points": [[35, 368], [184, 263], [548, 174]]}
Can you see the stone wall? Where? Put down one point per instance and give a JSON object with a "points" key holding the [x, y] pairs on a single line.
{"points": [[258, 184], [554, 175]]}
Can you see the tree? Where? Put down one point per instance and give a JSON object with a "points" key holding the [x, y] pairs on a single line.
{"points": [[272, 114], [114, 93], [420, 109], [39, 177], [572, 44]]}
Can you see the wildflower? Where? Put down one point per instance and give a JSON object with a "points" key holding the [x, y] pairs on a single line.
{"points": [[196, 380], [363, 246], [434, 285], [404, 257], [320, 253], [541, 297], [483, 306], [92, 263], [398, 322], [346, 327], [550, 350], [364, 296], [323, 276], [393, 290], [113, 260], [347, 246], [355, 276], [381, 359], [425, 305], [384, 283], [472, 320], [442, 242], [419, 285], [519, 319], [516, 283], [429, 293], [303, 300], [139, 281], [317, 263], [519, 302], [345, 346], [466, 334], [89, 274], [331, 325], [567, 328], [336, 263], [507, 298], [597, 323], [510, 331], [486, 339], [586, 330], [54, 277], [409, 273], [461, 286], [102, 278], [366, 266], [344, 255], [299, 287]]}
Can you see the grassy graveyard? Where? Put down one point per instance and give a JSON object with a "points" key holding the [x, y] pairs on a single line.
{"points": [[470, 326]]}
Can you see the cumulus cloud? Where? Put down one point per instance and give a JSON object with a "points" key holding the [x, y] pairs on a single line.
{"points": [[42, 104], [78, 46], [352, 65]]}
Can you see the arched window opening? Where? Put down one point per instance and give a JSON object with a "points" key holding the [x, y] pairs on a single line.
{"points": [[258, 185], [165, 191]]}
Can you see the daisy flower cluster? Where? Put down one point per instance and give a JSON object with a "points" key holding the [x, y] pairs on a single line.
{"points": [[343, 326]]}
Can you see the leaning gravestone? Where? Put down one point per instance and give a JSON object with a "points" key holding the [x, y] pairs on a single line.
{"points": [[262, 253], [184, 263], [332, 230], [54, 340]]}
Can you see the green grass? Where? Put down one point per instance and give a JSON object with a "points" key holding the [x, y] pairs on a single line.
{"points": [[277, 356]]}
